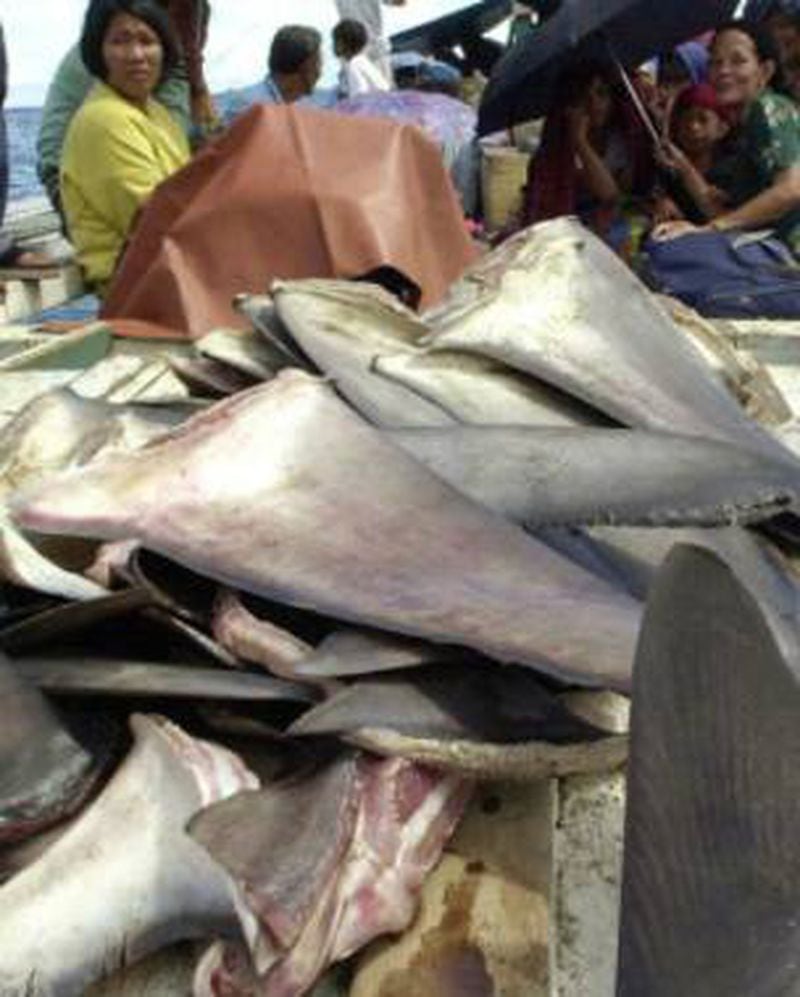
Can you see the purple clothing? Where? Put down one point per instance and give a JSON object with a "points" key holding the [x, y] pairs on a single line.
{"points": [[694, 56], [449, 122]]}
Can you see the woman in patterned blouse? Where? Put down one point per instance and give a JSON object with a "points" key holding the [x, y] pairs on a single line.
{"points": [[763, 185]]}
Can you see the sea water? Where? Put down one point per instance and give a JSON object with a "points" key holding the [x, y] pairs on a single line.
{"points": [[236, 56], [23, 127]]}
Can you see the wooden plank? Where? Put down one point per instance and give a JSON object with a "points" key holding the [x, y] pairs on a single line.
{"points": [[71, 351], [483, 926], [25, 297], [586, 884]]}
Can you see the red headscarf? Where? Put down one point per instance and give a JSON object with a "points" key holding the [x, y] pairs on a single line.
{"points": [[697, 95]]}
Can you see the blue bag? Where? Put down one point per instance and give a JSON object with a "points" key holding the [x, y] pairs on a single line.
{"points": [[725, 275]]}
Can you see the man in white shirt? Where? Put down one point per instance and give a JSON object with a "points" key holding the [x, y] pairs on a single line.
{"points": [[371, 16], [358, 74]]}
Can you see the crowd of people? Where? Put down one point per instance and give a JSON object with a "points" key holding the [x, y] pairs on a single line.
{"points": [[129, 104], [728, 154]]}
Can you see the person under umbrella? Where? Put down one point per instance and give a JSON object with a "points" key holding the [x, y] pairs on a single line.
{"points": [[697, 128], [524, 85], [593, 154], [782, 21]]}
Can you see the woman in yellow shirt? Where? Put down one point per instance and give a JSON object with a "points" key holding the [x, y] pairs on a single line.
{"points": [[122, 142]]}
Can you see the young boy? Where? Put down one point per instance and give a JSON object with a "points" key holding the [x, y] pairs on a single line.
{"points": [[697, 126], [358, 74]]}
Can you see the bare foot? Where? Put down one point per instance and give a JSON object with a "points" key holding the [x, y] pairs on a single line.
{"points": [[32, 259]]}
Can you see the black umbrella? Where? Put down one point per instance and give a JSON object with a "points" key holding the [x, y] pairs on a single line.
{"points": [[449, 30], [628, 31], [755, 10]]}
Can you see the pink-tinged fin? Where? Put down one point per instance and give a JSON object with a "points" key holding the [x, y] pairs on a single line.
{"points": [[225, 970], [401, 551], [253, 639], [406, 813], [282, 845]]}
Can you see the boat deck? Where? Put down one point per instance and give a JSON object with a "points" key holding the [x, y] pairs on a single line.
{"points": [[30, 295]]}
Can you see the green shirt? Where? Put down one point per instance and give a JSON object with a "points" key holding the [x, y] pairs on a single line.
{"points": [[769, 145], [66, 93]]}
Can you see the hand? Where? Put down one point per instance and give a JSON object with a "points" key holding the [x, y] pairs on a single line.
{"points": [[718, 200], [665, 210], [578, 124], [673, 230], [672, 158]]}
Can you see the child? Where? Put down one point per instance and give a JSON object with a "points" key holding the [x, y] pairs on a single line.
{"points": [[358, 74], [697, 126], [592, 159]]}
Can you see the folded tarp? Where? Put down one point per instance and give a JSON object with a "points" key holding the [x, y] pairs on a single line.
{"points": [[290, 192]]}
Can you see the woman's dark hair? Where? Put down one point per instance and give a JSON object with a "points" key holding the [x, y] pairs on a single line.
{"points": [[764, 45], [293, 45], [577, 77], [100, 15], [779, 8], [351, 35]]}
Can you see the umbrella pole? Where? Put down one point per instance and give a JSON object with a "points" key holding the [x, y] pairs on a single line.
{"points": [[675, 187], [637, 102]]}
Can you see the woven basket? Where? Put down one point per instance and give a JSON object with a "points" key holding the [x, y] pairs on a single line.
{"points": [[504, 170]]}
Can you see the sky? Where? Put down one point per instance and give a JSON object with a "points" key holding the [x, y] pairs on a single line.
{"points": [[39, 32]]}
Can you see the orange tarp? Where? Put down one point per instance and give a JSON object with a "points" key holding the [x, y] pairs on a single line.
{"points": [[290, 192]]}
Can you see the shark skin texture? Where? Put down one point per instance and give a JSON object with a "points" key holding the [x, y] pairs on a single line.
{"points": [[555, 302], [711, 872], [369, 832], [580, 477], [125, 879], [403, 551]]}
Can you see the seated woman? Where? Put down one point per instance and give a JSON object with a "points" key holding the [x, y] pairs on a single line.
{"points": [[763, 182], [122, 143], [593, 156], [183, 91]]}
